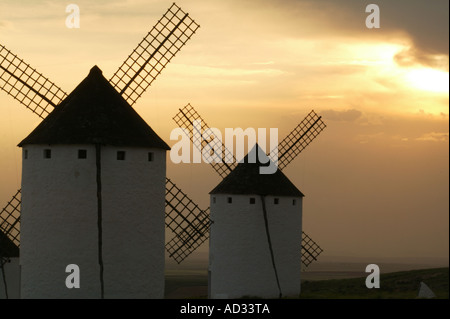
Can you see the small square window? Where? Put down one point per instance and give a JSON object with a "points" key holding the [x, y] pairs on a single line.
{"points": [[82, 154], [252, 200], [229, 200], [276, 201], [294, 202], [150, 156], [120, 155], [25, 154], [214, 200], [47, 153]]}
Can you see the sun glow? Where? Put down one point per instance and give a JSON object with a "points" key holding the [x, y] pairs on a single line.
{"points": [[428, 79]]}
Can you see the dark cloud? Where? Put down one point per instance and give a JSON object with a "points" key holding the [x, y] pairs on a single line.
{"points": [[341, 116], [413, 56], [426, 23]]}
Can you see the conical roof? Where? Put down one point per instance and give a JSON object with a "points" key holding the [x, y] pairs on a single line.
{"points": [[95, 113], [246, 179]]}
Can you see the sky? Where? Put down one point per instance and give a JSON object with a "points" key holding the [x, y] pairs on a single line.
{"points": [[376, 179]]}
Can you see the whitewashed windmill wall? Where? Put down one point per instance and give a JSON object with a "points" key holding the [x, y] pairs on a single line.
{"points": [[240, 259], [64, 189]]}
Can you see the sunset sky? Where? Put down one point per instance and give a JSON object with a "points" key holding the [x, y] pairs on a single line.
{"points": [[376, 180]]}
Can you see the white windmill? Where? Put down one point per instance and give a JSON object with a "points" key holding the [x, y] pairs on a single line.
{"points": [[93, 176], [93, 172], [230, 277], [255, 236]]}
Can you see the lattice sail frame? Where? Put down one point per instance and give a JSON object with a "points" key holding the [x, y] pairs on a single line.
{"points": [[189, 223], [185, 119], [26, 85], [10, 219], [310, 250], [291, 146], [299, 138], [153, 53]]}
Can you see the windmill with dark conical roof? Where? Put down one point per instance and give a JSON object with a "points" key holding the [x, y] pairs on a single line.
{"points": [[191, 235], [244, 179], [256, 233], [94, 176]]}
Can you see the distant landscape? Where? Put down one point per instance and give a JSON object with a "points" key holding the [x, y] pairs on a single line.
{"points": [[330, 277], [395, 285]]}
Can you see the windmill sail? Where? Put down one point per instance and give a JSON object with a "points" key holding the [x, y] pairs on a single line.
{"points": [[310, 250], [10, 219], [153, 53], [186, 220], [185, 118], [299, 138], [26, 85], [189, 238]]}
